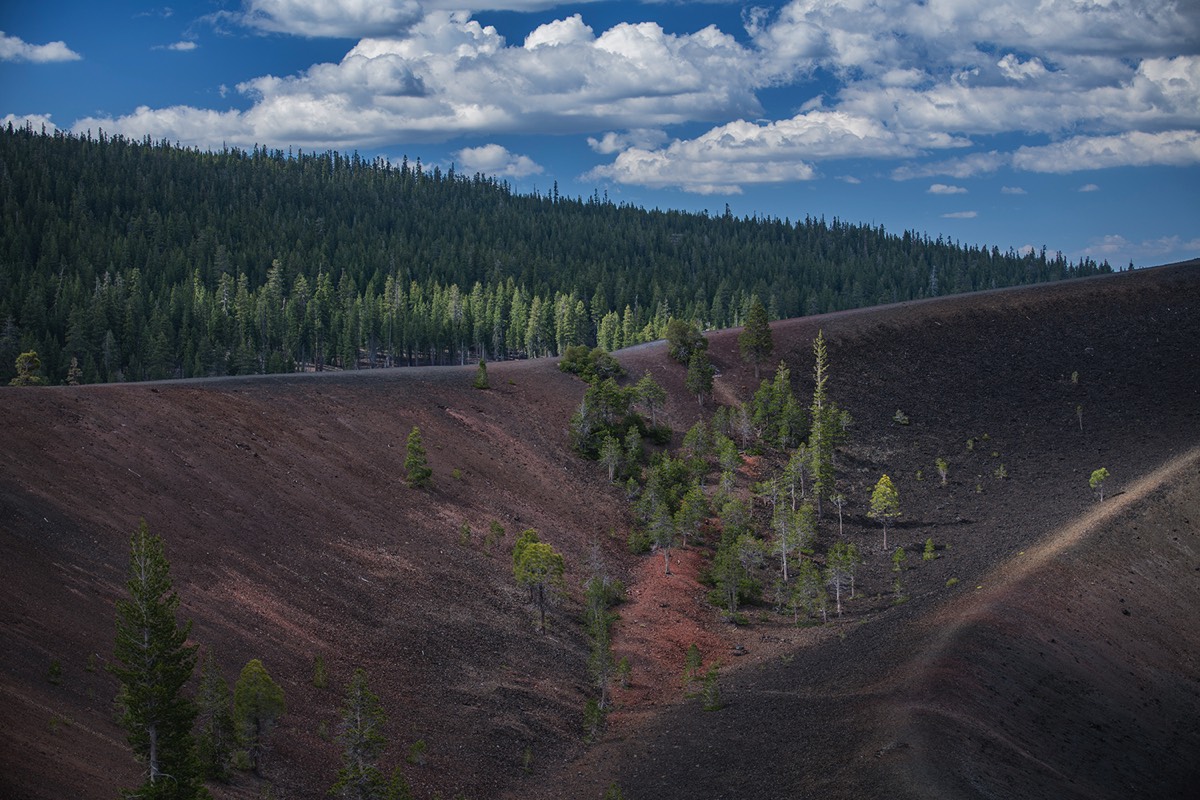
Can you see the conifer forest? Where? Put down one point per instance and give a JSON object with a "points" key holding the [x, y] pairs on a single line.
{"points": [[127, 260]]}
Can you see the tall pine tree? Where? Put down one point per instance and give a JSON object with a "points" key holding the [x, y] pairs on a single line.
{"points": [[153, 662], [363, 741], [755, 339]]}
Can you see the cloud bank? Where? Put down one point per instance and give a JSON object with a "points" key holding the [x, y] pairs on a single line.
{"points": [[946, 89]]}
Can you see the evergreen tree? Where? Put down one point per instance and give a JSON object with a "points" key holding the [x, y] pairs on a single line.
{"points": [[699, 380], [29, 365], [257, 706], [363, 741], [840, 565], [540, 567], [885, 505], [215, 719], [153, 663], [755, 340], [824, 431], [650, 394], [415, 462], [684, 340], [481, 376]]}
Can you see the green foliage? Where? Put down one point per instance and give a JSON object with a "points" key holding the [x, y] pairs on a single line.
{"points": [[495, 534], [613, 792], [605, 411], [885, 504], [539, 567], [693, 511], [28, 365], [481, 376], [464, 534], [54, 674], [755, 340], [699, 379], [153, 663], [1097, 481], [601, 593], [650, 394], [952, 582], [684, 340], [692, 662], [710, 693], [898, 559], [415, 462], [257, 706], [840, 564], [593, 719], [321, 259], [1000, 472], [777, 418], [624, 670], [900, 418], [943, 468], [398, 787], [362, 738], [217, 735], [320, 678], [808, 592], [416, 752], [591, 365], [928, 554]]}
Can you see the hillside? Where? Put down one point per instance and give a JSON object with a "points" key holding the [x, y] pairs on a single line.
{"points": [[143, 260], [292, 535]]}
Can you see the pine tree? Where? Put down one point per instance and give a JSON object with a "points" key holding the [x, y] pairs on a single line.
{"points": [[755, 340], [363, 742], [217, 737], [481, 376], [821, 433], [28, 367], [699, 379], [153, 664], [415, 462], [257, 706], [885, 505], [540, 567]]}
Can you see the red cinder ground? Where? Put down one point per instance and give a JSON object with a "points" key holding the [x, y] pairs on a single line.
{"points": [[1062, 662]]}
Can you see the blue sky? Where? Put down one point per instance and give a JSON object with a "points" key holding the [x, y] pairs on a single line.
{"points": [[1069, 124]]}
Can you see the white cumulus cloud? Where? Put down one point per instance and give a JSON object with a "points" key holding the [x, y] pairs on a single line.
{"points": [[961, 215], [942, 188], [449, 75], [13, 48], [36, 122], [494, 159]]}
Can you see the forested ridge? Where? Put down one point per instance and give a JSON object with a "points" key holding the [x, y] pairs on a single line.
{"points": [[136, 260]]}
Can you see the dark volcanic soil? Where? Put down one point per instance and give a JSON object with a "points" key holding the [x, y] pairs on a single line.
{"points": [[291, 534]]}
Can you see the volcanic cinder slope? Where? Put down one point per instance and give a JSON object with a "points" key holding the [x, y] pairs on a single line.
{"points": [[1061, 663]]}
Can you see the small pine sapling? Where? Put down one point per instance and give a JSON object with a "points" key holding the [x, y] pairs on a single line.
{"points": [[928, 555], [898, 559], [1097, 481], [481, 376], [943, 468], [711, 693], [692, 661]]}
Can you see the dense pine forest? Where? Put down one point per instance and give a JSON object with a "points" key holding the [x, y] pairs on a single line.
{"points": [[134, 260]]}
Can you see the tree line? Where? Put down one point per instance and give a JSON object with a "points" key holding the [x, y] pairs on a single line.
{"points": [[130, 260]]}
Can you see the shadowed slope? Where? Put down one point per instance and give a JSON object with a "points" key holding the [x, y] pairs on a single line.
{"points": [[291, 534]]}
